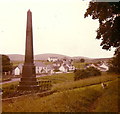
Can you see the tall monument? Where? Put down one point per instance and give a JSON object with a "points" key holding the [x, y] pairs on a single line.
{"points": [[28, 80]]}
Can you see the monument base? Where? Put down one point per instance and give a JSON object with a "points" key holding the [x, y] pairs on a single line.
{"points": [[28, 84]]}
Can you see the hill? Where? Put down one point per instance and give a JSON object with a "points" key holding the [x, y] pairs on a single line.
{"points": [[45, 56], [18, 57]]}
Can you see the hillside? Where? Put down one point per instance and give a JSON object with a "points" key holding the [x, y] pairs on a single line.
{"points": [[67, 95], [45, 56], [18, 57]]}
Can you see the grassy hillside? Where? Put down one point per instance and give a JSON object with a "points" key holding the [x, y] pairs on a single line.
{"points": [[79, 64], [85, 95]]}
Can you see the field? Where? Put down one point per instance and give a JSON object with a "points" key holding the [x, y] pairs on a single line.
{"points": [[79, 64], [85, 95], [5, 78]]}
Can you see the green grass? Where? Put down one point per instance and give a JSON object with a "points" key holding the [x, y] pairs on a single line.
{"points": [[59, 78], [44, 61], [16, 63], [9, 84], [75, 100], [79, 64], [70, 96], [62, 82], [84, 82], [68, 101], [108, 102]]}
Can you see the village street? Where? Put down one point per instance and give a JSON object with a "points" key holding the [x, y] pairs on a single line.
{"points": [[18, 79]]}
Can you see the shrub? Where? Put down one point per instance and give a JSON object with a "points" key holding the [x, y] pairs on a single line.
{"points": [[56, 70], [85, 73], [114, 64]]}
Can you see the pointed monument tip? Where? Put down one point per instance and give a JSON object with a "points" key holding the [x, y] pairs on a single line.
{"points": [[29, 10]]}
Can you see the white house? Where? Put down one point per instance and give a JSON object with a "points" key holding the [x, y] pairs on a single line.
{"points": [[91, 65], [18, 70], [39, 68], [102, 67], [64, 68], [58, 63], [71, 67], [50, 69], [52, 59]]}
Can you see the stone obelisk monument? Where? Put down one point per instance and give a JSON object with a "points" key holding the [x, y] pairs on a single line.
{"points": [[28, 79]]}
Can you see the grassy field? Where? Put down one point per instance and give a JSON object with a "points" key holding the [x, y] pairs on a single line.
{"points": [[84, 82], [85, 95], [16, 63], [59, 78], [86, 99], [79, 64], [44, 61]]}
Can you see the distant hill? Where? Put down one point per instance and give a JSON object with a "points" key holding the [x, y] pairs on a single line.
{"points": [[18, 57], [45, 56], [100, 59]]}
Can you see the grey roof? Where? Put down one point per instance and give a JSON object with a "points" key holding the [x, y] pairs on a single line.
{"points": [[20, 66], [56, 67], [66, 67], [67, 62], [50, 67], [40, 64]]}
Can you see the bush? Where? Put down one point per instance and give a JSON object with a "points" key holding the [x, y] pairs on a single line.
{"points": [[56, 70], [85, 73], [114, 64]]}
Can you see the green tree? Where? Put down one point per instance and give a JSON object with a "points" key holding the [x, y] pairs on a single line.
{"points": [[108, 14], [6, 64], [86, 73], [115, 64], [82, 60]]}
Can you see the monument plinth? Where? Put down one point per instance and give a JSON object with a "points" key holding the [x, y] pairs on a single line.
{"points": [[28, 80]]}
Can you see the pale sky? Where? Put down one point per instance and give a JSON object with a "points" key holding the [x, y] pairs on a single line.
{"points": [[59, 27]]}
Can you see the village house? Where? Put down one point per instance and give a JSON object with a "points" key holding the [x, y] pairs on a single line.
{"points": [[58, 63], [52, 59], [40, 68], [64, 68], [17, 70], [101, 66], [50, 69]]}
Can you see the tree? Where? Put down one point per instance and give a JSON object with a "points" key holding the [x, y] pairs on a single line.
{"points": [[6, 64], [86, 73], [115, 64], [108, 14], [82, 60]]}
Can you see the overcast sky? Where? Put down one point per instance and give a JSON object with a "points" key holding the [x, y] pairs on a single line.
{"points": [[59, 27]]}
